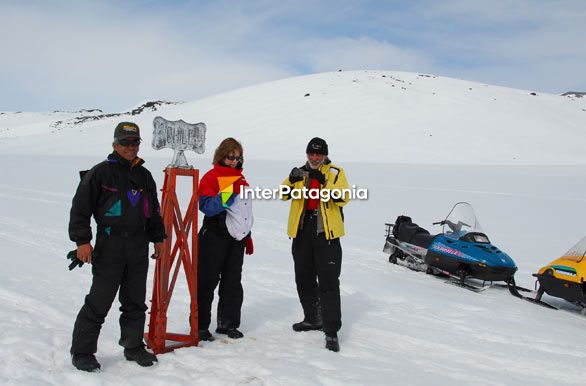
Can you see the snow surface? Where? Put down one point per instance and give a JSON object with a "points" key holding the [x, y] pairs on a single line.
{"points": [[367, 116], [399, 326]]}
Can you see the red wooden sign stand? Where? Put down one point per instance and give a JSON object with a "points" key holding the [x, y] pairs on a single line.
{"points": [[174, 256]]}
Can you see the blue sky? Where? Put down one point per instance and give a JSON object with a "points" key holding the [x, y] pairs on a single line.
{"points": [[68, 55]]}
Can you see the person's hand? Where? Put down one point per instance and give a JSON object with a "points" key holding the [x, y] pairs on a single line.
{"points": [[158, 250], [249, 246], [315, 173], [84, 253], [295, 175]]}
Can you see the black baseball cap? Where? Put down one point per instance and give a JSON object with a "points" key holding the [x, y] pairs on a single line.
{"points": [[126, 130]]}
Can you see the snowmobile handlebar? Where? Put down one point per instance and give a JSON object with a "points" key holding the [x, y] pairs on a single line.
{"points": [[454, 227]]}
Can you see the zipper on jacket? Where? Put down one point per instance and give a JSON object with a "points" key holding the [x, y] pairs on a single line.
{"points": [[302, 214], [325, 217]]}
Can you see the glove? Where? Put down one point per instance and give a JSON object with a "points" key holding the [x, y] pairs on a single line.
{"points": [[75, 262], [314, 173], [158, 250], [249, 246], [295, 175]]}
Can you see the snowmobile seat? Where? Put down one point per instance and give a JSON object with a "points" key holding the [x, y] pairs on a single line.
{"points": [[414, 234], [400, 220], [422, 239]]}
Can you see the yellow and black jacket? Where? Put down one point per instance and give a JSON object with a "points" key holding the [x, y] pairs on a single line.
{"points": [[331, 210]]}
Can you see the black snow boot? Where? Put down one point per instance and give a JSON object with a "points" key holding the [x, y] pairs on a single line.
{"points": [[307, 326], [312, 320], [85, 362], [231, 332], [332, 342], [140, 356], [205, 335]]}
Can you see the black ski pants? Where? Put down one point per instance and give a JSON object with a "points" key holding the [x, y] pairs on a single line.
{"points": [[220, 259], [121, 265], [318, 264]]}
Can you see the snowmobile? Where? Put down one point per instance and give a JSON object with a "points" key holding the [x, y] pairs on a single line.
{"points": [[563, 278], [460, 252]]}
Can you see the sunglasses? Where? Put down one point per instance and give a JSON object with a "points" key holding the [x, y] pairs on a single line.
{"points": [[234, 158], [127, 142]]}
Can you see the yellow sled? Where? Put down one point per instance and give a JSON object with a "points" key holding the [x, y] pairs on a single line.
{"points": [[564, 277]]}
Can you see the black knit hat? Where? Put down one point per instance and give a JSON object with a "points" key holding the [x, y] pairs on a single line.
{"points": [[317, 146], [126, 130]]}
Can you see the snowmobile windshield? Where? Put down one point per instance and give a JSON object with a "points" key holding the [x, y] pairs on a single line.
{"points": [[460, 221], [576, 253]]}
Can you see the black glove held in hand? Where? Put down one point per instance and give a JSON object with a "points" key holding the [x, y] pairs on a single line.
{"points": [[314, 173], [295, 175], [75, 262]]}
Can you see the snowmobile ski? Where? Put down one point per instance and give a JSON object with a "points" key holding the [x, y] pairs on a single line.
{"points": [[454, 280], [514, 290]]}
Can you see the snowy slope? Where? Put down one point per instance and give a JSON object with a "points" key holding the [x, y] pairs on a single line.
{"points": [[368, 116], [399, 326]]}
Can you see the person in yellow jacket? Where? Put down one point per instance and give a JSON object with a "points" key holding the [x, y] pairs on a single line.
{"points": [[318, 190]]}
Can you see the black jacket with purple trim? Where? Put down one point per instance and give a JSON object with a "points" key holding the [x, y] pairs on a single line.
{"points": [[122, 197]]}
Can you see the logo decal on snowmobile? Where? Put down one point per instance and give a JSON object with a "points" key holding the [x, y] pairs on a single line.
{"points": [[414, 248], [445, 249], [562, 269]]}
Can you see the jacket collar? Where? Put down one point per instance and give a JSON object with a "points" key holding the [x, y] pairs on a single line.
{"points": [[115, 158], [223, 170]]}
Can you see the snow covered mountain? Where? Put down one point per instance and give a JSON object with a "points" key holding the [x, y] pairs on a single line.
{"points": [[367, 116], [418, 143]]}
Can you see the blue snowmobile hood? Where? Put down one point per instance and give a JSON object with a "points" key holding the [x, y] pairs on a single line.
{"points": [[470, 252]]}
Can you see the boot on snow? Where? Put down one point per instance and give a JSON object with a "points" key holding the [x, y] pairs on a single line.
{"points": [[140, 356], [312, 320], [305, 325], [205, 335], [232, 333], [85, 362], [332, 343]]}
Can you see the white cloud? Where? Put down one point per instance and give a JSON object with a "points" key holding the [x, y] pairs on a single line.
{"points": [[80, 54], [518, 43], [104, 55], [361, 53]]}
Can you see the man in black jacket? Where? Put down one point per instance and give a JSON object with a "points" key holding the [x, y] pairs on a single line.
{"points": [[121, 195]]}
